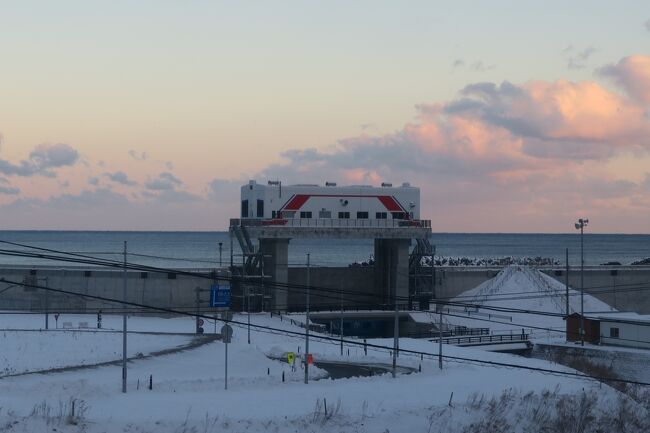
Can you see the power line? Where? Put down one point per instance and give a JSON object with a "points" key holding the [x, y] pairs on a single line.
{"points": [[349, 342], [114, 263], [336, 293]]}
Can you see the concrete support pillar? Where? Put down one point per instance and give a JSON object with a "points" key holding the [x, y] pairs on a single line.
{"points": [[275, 253], [392, 269]]}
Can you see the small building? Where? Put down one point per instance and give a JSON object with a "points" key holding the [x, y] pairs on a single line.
{"points": [[592, 329], [614, 329]]}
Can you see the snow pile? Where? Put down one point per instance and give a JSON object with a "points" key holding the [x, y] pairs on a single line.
{"points": [[521, 288]]}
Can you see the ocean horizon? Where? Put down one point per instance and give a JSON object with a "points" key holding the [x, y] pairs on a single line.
{"points": [[200, 249]]}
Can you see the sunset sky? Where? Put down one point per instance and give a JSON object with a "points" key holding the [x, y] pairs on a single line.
{"points": [[510, 116]]}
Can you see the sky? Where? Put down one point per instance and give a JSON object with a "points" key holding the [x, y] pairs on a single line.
{"points": [[510, 116]]}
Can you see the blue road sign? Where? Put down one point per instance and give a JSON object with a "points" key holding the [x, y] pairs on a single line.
{"points": [[219, 296]]}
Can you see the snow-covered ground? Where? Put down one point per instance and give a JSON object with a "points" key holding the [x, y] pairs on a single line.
{"points": [[523, 288], [188, 386]]}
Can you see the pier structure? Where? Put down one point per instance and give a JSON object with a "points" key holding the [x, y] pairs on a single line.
{"points": [[274, 214], [391, 253]]}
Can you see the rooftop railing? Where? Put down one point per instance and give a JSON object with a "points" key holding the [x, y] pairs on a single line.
{"points": [[331, 222]]}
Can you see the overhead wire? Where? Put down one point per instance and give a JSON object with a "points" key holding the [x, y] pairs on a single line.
{"points": [[349, 342]]}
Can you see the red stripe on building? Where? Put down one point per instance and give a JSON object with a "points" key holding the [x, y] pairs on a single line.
{"points": [[296, 202], [390, 203]]}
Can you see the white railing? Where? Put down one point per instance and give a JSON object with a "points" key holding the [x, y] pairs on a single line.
{"points": [[331, 222]]}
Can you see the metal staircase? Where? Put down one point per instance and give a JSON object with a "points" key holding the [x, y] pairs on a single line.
{"points": [[422, 273], [251, 254]]}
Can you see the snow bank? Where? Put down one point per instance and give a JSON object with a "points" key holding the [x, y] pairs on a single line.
{"points": [[520, 287]]}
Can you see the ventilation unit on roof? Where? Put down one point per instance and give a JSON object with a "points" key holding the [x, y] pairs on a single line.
{"points": [[386, 184], [330, 183]]}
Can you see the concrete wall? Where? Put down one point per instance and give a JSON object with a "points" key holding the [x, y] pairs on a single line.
{"points": [[451, 282], [627, 290], [358, 279], [155, 289], [624, 288]]}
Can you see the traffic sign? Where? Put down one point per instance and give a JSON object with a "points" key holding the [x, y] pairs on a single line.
{"points": [[226, 333], [291, 357], [201, 322], [219, 295]]}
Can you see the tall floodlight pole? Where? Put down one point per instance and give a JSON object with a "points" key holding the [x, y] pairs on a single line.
{"points": [[580, 225], [124, 325], [566, 282], [307, 323]]}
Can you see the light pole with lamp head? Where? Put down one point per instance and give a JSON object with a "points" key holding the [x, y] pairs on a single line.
{"points": [[580, 225]]}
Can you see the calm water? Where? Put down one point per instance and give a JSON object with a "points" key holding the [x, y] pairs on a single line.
{"points": [[201, 249]]}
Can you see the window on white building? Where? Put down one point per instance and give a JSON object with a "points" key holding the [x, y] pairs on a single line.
{"points": [[613, 332], [305, 214]]}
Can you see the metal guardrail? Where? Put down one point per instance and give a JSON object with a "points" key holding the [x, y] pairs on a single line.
{"points": [[477, 339], [330, 223]]}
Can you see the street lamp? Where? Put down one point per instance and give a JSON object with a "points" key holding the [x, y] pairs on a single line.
{"points": [[580, 225]]}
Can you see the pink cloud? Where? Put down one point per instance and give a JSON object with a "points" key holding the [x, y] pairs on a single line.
{"points": [[633, 75], [520, 155]]}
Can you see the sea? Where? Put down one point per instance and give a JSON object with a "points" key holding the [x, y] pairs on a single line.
{"points": [[206, 250]]}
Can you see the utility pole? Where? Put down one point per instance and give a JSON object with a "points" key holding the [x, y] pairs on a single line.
{"points": [[246, 293], [341, 295], [232, 263], [124, 326], [226, 367], [198, 307], [220, 251], [263, 285], [440, 339], [47, 306], [307, 324], [396, 313]]}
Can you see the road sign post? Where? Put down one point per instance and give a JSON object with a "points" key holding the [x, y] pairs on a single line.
{"points": [[226, 336]]}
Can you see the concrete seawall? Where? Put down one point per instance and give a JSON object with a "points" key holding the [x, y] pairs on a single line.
{"points": [[625, 288]]}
